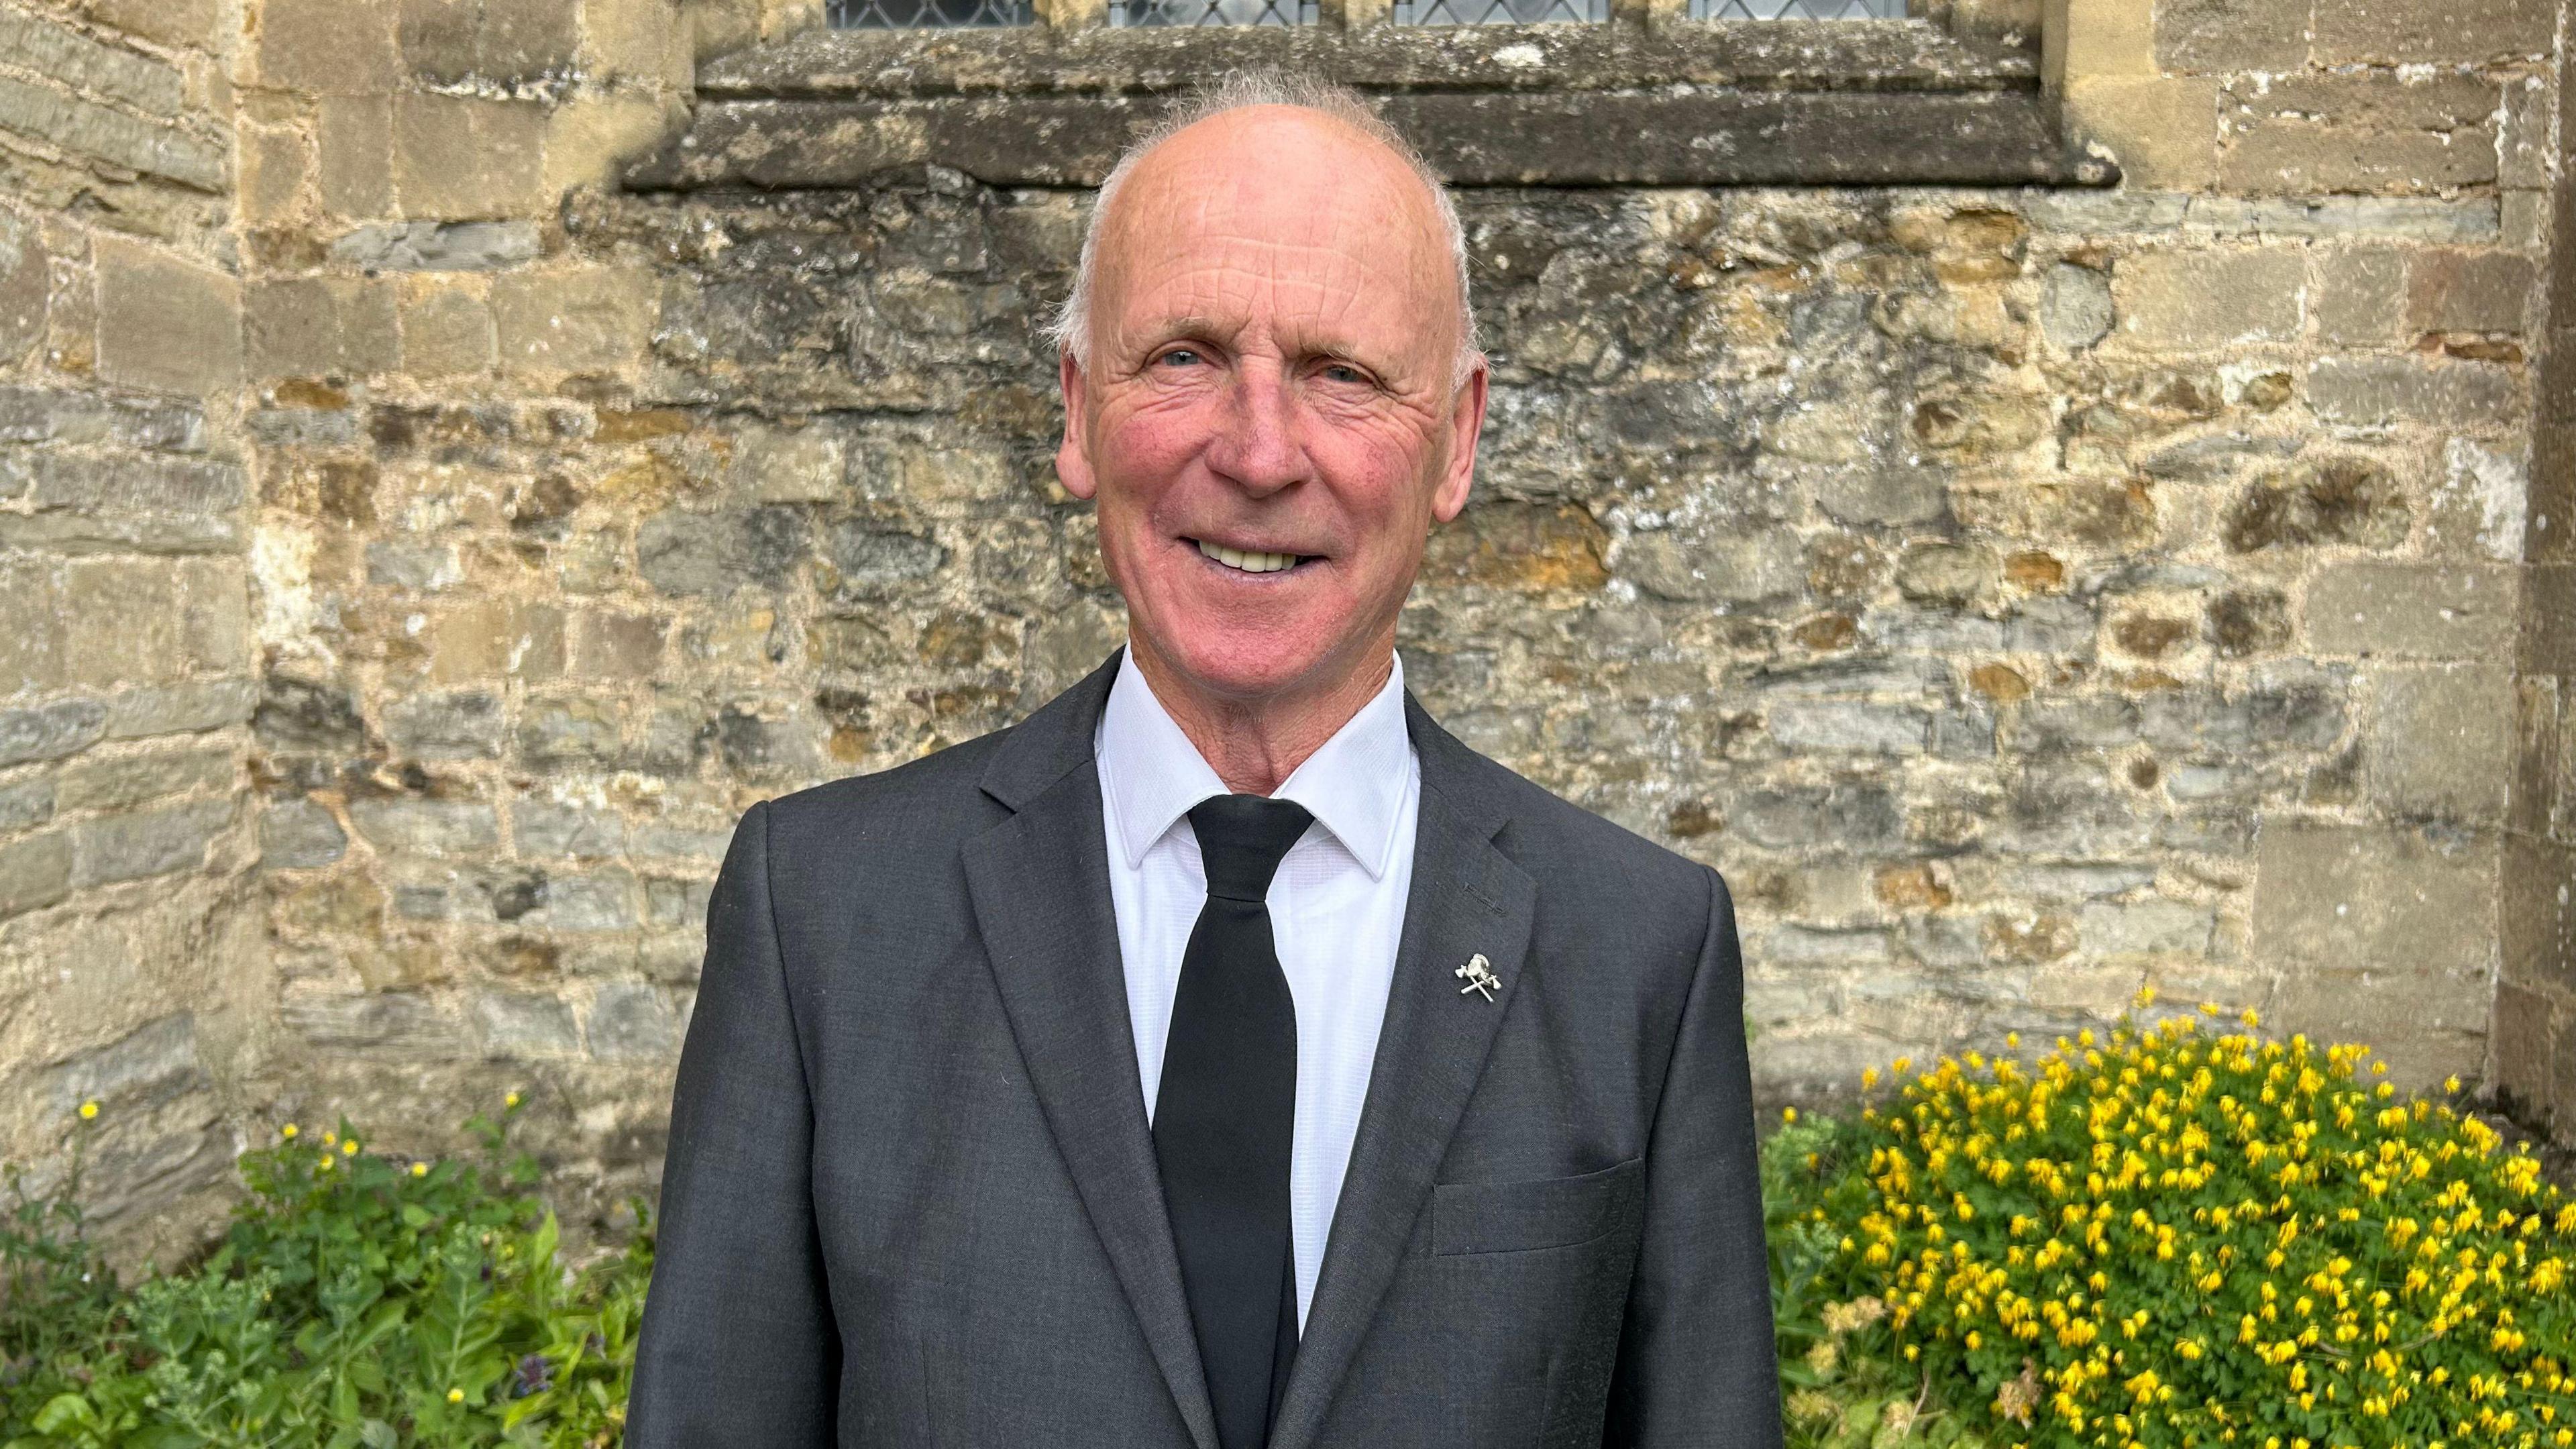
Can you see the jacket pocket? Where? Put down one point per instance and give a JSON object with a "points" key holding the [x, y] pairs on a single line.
{"points": [[1547, 1212]]}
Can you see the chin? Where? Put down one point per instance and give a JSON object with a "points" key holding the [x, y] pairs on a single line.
{"points": [[1246, 663]]}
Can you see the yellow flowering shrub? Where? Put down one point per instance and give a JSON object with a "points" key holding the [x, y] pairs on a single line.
{"points": [[2173, 1237]]}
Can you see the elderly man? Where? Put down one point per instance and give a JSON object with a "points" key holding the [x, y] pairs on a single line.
{"points": [[1225, 1056]]}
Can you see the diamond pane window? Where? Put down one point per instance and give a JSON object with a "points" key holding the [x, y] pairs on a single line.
{"points": [[1496, 12], [927, 14], [1797, 9], [1211, 12]]}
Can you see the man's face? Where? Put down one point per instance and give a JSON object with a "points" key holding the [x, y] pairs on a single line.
{"points": [[1267, 421]]}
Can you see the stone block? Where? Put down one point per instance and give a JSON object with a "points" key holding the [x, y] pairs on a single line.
{"points": [[26, 289], [327, 47], [456, 724], [34, 872], [2408, 32], [153, 503], [275, 165], [2460, 291], [427, 827], [2441, 743], [618, 646], [515, 1025], [2148, 927], [447, 332], [467, 158], [449, 42], [2426, 1026], [676, 901], [591, 141], [148, 843], [165, 325], [2526, 1056], [1704, 566], [630, 1021], [491, 638], [299, 835], [2075, 312], [87, 128], [1862, 495], [2361, 295], [178, 24], [2290, 155], [26, 802], [123, 781], [355, 161], [712, 554], [2230, 35], [2372, 897], [2410, 610], [395, 1023], [869, 561], [109, 72], [2197, 301], [2164, 132], [306, 715], [144, 623], [638, 40], [590, 320], [322, 327], [31, 620], [544, 830], [2378, 392], [597, 901], [2538, 912], [146, 1066], [189, 707], [437, 246], [1849, 725], [569, 733], [2100, 38], [50, 731]]}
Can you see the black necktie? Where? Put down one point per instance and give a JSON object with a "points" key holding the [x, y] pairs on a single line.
{"points": [[1223, 1114]]}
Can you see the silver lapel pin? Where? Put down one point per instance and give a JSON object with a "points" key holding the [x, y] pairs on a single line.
{"points": [[1479, 975]]}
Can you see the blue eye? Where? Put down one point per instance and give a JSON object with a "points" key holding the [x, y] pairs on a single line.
{"points": [[1343, 373], [1179, 357]]}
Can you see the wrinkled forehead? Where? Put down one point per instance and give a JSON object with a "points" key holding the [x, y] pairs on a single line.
{"points": [[1277, 210]]}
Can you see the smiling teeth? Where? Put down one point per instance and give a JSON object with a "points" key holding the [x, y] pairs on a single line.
{"points": [[1251, 563]]}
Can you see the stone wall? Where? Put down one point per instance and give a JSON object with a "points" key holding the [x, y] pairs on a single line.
{"points": [[130, 952], [2024, 594], [2535, 1016]]}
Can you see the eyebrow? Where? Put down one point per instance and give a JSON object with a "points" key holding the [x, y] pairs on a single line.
{"points": [[1200, 325]]}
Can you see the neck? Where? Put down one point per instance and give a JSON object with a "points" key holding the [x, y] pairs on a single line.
{"points": [[1255, 744]]}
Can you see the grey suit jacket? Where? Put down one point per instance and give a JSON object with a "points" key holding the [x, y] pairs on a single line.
{"points": [[911, 1198]]}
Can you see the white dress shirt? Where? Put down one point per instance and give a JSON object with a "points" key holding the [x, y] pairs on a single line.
{"points": [[1336, 911]]}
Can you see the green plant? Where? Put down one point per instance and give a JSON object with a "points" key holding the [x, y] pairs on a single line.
{"points": [[2170, 1238], [357, 1302]]}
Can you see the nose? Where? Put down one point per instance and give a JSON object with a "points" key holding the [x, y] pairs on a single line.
{"points": [[1256, 446]]}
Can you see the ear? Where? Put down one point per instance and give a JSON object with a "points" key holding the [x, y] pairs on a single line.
{"points": [[1072, 456], [1466, 423]]}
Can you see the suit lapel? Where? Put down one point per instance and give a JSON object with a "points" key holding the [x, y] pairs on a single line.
{"points": [[1466, 899], [1040, 886]]}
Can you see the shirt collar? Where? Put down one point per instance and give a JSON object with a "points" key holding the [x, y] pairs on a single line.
{"points": [[1152, 775]]}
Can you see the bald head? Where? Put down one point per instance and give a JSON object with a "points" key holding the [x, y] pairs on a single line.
{"points": [[1305, 163]]}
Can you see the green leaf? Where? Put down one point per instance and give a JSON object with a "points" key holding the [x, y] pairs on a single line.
{"points": [[64, 1412]]}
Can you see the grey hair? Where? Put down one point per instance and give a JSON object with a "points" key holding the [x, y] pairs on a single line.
{"points": [[1070, 327]]}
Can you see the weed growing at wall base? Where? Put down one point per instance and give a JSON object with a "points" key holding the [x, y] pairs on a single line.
{"points": [[2171, 1237], [359, 1301]]}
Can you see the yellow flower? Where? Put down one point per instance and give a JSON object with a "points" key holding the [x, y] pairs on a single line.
{"points": [[349, 1148], [511, 1100], [420, 1169], [1788, 1114], [287, 1131], [2012, 1038], [88, 1110], [456, 1396], [323, 1166]]}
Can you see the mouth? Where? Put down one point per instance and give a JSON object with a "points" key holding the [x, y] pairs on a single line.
{"points": [[1252, 561]]}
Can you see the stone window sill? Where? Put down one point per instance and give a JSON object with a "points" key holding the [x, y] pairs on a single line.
{"points": [[1706, 103]]}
